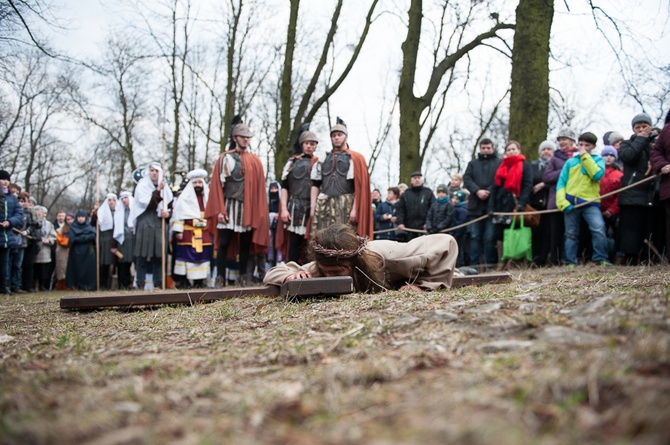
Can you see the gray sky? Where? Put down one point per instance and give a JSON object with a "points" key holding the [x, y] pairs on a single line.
{"points": [[586, 71]]}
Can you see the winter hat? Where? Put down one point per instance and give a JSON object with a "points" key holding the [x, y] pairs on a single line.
{"points": [[546, 144], [442, 188], [460, 194], [613, 138], [4, 174], [642, 117], [566, 133], [416, 173], [609, 150]]}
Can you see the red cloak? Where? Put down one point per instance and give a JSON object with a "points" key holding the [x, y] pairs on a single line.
{"points": [[256, 213], [363, 194]]}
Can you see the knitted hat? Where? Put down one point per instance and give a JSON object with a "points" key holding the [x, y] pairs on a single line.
{"points": [[546, 144], [442, 188], [460, 194], [4, 174], [609, 150], [613, 138], [566, 133], [642, 117], [308, 136]]}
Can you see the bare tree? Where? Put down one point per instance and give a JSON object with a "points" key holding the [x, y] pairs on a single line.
{"points": [[117, 104], [290, 116], [31, 149], [18, 28], [449, 49]]}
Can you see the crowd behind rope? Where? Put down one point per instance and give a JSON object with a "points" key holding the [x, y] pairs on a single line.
{"points": [[228, 227]]}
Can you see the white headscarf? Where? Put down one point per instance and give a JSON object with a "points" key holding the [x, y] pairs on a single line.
{"points": [[105, 217], [144, 190], [187, 204], [119, 214]]}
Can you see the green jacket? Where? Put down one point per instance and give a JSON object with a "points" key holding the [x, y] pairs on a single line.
{"points": [[579, 181]]}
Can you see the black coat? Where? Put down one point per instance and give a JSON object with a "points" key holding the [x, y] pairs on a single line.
{"points": [[634, 154], [480, 175], [539, 200], [501, 200], [439, 216], [413, 207]]}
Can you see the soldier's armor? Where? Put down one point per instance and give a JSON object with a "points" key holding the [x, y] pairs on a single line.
{"points": [[299, 182], [234, 187], [334, 171]]}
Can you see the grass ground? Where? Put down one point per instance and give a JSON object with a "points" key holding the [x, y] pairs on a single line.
{"points": [[555, 357]]}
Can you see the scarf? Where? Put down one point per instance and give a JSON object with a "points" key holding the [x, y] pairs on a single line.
{"points": [[510, 172]]}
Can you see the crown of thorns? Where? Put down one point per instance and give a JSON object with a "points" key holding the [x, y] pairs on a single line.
{"points": [[340, 253]]}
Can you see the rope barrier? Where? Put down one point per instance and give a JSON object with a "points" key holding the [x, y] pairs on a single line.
{"points": [[536, 212]]}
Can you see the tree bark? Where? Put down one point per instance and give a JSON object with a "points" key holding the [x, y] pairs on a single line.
{"points": [[283, 136], [412, 106], [529, 100]]}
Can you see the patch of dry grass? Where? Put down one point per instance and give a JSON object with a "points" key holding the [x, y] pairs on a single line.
{"points": [[554, 357]]}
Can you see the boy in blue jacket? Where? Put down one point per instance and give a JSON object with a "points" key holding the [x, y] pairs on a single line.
{"points": [[579, 182]]}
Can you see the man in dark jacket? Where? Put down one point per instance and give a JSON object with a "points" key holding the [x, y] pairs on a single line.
{"points": [[413, 207], [640, 211], [479, 177], [11, 216]]}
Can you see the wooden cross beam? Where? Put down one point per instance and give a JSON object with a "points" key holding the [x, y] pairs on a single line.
{"points": [[331, 286]]}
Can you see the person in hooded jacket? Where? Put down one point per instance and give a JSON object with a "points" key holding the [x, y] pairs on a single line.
{"points": [[81, 273]]}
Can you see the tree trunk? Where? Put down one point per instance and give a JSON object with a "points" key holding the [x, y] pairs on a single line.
{"points": [[409, 105], [282, 150], [529, 101]]}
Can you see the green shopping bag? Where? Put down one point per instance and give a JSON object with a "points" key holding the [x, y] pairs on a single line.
{"points": [[517, 242]]}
